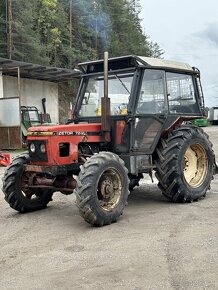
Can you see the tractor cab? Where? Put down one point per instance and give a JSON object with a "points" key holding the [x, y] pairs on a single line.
{"points": [[30, 117], [147, 97]]}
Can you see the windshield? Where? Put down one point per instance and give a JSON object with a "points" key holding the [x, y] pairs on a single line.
{"points": [[119, 87]]}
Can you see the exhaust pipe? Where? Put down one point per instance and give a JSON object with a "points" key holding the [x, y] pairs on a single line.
{"points": [[44, 105], [106, 74], [105, 103]]}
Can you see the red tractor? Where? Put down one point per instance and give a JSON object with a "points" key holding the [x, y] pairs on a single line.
{"points": [[130, 118]]}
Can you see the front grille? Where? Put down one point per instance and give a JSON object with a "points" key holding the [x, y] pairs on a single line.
{"points": [[38, 155]]}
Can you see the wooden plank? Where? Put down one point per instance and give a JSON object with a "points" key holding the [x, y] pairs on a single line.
{"points": [[4, 138], [15, 137], [10, 138]]}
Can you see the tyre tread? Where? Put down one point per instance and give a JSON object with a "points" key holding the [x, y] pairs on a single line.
{"points": [[87, 173], [166, 163], [11, 186]]}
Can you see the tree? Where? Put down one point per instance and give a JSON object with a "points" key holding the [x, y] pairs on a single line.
{"points": [[3, 29], [124, 29], [64, 32], [26, 40]]}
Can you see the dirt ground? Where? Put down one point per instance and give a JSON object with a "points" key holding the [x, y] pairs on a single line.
{"points": [[154, 245]]}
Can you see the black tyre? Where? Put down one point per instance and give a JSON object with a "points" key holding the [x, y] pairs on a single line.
{"points": [[15, 187], [185, 164], [102, 190]]}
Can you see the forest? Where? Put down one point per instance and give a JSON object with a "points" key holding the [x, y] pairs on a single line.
{"points": [[62, 33]]}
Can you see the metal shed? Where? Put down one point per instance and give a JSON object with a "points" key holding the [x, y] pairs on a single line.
{"points": [[24, 84]]}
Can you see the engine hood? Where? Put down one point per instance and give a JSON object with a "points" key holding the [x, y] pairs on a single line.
{"points": [[65, 130]]}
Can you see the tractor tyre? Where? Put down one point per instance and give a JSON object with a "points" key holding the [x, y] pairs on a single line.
{"points": [[102, 189], [15, 188], [185, 164]]}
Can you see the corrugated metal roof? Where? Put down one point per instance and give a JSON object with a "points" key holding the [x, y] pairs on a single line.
{"points": [[35, 71]]}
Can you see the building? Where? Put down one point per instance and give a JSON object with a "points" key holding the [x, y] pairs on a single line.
{"points": [[26, 84]]}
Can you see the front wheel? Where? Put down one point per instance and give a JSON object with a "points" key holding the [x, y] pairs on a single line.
{"points": [[16, 187], [185, 164], [102, 189]]}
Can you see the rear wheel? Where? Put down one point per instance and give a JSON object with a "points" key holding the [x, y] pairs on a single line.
{"points": [[102, 189], [16, 187], [185, 164]]}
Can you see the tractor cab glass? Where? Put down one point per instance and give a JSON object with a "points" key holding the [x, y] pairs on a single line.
{"points": [[30, 114], [151, 104], [151, 98], [181, 94], [119, 88]]}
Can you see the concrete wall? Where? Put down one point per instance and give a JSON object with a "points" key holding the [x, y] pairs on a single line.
{"points": [[32, 92]]}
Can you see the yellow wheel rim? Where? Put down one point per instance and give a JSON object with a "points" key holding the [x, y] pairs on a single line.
{"points": [[109, 189], [195, 165]]}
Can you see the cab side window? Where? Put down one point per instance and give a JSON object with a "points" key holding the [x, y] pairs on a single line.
{"points": [[151, 98], [181, 96]]}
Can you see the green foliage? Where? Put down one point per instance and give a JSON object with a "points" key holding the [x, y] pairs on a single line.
{"points": [[26, 39], [65, 32], [3, 29], [126, 35]]}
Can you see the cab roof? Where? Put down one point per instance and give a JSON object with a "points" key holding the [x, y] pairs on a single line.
{"points": [[132, 61]]}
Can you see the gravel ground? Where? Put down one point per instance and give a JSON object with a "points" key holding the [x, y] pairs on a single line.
{"points": [[154, 245]]}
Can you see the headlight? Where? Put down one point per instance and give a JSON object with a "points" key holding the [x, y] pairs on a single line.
{"points": [[32, 148], [42, 148]]}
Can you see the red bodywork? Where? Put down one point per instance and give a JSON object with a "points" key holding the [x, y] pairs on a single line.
{"points": [[72, 134], [5, 159]]}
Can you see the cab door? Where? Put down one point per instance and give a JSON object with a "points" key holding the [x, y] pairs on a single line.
{"points": [[151, 111]]}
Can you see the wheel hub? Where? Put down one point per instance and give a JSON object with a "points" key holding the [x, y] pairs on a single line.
{"points": [[109, 189], [195, 165]]}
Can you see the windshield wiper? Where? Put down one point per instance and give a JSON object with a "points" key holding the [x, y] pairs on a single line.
{"points": [[122, 84]]}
